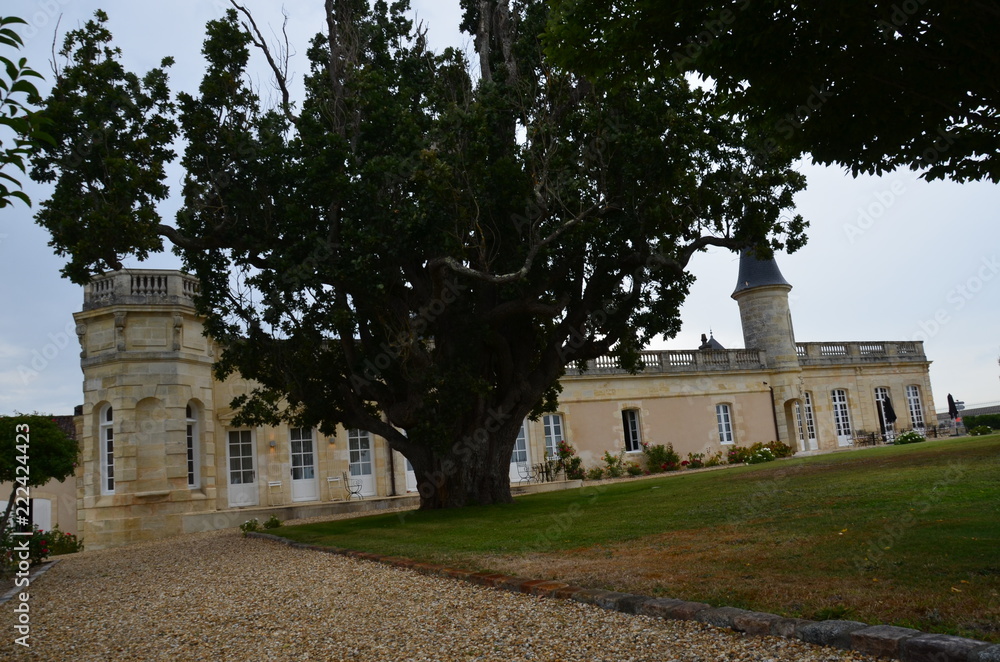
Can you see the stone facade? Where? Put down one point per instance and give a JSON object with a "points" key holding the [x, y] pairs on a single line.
{"points": [[161, 455]]}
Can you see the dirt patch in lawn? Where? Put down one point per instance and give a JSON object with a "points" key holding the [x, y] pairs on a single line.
{"points": [[751, 568]]}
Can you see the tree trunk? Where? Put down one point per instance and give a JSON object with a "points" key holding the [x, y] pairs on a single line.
{"points": [[474, 470]]}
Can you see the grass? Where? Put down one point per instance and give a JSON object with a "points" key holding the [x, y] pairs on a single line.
{"points": [[907, 535]]}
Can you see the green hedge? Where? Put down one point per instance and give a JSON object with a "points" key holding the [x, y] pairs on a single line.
{"points": [[992, 420]]}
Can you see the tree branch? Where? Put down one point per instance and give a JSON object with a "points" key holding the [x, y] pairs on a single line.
{"points": [[520, 274], [280, 73]]}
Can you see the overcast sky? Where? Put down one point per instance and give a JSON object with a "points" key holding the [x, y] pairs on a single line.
{"points": [[889, 258]]}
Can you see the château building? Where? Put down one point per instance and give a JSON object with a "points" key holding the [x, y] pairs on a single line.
{"points": [[161, 455]]}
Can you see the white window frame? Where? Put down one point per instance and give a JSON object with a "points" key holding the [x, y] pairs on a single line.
{"points": [[193, 446], [300, 435], [916, 406], [632, 429], [553, 425], [106, 448], [842, 415], [810, 418], [724, 421]]}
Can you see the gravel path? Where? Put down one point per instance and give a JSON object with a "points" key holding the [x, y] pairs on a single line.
{"points": [[219, 596]]}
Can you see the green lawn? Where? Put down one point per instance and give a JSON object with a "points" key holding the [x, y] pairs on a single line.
{"points": [[908, 535]]}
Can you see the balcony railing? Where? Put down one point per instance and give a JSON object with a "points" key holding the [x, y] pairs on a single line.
{"points": [[680, 361], [141, 287], [817, 353]]}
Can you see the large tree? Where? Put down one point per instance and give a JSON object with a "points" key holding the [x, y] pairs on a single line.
{"points": [[20, 124], [420, 246], [868, 84]]}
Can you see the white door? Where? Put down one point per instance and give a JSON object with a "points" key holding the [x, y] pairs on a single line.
{"points": [[812, 444], [411, 478], [304, 485], [242, 469], [520, 456], [359, 444], [841, 417]]}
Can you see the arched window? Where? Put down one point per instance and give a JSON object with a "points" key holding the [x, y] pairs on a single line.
{"points": [[193, 445], [724, 419], [106, 445]]}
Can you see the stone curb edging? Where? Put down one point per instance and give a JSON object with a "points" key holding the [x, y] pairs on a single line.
{"points": [[39, 570], [889, 641]]}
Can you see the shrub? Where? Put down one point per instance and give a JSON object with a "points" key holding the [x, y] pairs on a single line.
{"points": [[780, 448], [63, 543], [658, 457], [615, 466], [633, 469], [715, 460], [759, 452], [597, 473], [990, 420], [249, 525], [694, 461], [568, 461], [980, 430], [272, 522], [910, 437]]}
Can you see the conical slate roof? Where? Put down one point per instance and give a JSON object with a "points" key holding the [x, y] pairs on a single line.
{"points": [[757, 273]]}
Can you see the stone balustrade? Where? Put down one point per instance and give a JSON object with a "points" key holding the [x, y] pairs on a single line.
{"points": [[681, 361], [848, 353], [141, 287]]}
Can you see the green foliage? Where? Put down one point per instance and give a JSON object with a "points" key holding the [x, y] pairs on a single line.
{"points": [[614, 465], [783, 62], [980, 430], [759, 452], [112, 136], [660, 458], [249, 526], [990, 420], [272, 522], [62, 543], [715, 460], [568, 461], [633, 469], [17, 94], [595, 473], [532, 220], [694, 461], [909, 437]]}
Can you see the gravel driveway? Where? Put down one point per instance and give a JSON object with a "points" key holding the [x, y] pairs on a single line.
{"points": [[219, 596]]}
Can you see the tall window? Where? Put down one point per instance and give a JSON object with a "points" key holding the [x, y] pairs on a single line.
{"points": [[303, 463], [520, 453], [630, 422], [841, 416], [916, 409], [725, 421], [885, 413], [107, 450], [810, 420], [193, 448], [553, 433]]}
